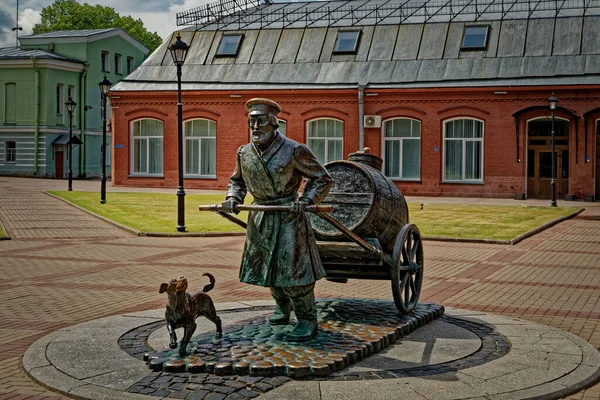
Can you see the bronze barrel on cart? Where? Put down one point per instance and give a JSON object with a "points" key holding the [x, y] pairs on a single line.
{"points": [[365, 201], [368, 234]]}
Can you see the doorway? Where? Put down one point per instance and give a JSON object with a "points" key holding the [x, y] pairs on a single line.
{"points": [[539, 157], [59, 162]]}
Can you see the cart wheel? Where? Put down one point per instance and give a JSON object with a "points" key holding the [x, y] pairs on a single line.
{"points": [[407, 271]]}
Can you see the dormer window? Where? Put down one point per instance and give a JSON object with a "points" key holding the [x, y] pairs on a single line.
{"points": [[475, 37], [230, 45], [347, 42]]}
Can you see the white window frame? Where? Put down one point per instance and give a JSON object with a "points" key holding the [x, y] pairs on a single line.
{"points": [[199, 140], [118, 64], [7, 154], [130, 66], [326, 138], [147, 139], [385, 139], [60, 99], [464, 161], [104, 63], [284, 122]]}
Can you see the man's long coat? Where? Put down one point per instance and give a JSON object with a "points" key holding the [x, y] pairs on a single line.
{"points": [[280, 247]]}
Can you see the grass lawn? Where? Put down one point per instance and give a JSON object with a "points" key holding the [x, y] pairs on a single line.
{"points": [[157, 212]]}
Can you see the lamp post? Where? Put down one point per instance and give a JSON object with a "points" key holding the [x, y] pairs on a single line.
{"points": [[104, 88], [552, 102], [179, 51], [70, 108]]}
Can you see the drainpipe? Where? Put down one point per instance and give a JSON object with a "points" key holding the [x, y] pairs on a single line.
{"points": [[361, 119], [82, 121], [36, 116]]}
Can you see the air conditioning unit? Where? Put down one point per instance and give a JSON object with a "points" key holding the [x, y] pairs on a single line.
{"points": [[372, 121]]}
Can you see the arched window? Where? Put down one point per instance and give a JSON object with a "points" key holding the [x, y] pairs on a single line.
{"points": [[463, 150], [402, 148], [325, 139], [147, 147], [282, 127], [200, 148]]}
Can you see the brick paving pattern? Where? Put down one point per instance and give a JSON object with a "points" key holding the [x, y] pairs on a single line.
{"points": [[80, 268]]}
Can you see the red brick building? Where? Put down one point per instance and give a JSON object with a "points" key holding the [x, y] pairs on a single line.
{"points": [[454, 99]]}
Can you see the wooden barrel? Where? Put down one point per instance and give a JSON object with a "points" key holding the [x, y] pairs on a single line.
{"points": [[365, 200]]}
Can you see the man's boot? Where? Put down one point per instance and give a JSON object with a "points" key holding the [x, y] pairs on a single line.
{"points": [[306, 313], [283, 307]]}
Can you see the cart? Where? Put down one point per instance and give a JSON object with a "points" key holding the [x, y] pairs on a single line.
{"points": [[362, 229]]}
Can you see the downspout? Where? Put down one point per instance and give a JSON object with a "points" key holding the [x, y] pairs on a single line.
{"points": [[361, 119], [82, 121], [36, 116]]}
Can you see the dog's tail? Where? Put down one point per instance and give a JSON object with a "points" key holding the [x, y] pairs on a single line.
{"points": [[211, 285]]}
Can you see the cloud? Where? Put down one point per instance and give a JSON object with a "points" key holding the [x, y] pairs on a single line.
{"points": [[28, 19], [7, 22]]}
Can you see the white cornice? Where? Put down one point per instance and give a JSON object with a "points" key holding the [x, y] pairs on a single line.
{"points": [[85, 39], [42, 62]]}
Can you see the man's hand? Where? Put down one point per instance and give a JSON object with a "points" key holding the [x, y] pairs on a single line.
{"points": [[299, 206], [229, 205]]}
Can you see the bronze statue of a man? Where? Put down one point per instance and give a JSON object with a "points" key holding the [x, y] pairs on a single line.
{"points": [[280, 250]]}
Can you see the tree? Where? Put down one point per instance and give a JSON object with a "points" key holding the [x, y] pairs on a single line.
{"points": [[65, 15]]}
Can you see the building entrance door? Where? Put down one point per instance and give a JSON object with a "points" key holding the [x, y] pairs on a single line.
{"points": [[59, 162], [539, 158]]}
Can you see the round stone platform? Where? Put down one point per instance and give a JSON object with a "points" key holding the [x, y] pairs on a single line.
{"points": [[461, 355]]}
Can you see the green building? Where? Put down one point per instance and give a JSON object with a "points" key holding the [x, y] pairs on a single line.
{"points": [[37, 79]]}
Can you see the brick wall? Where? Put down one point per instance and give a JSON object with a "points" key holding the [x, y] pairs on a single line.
{"points": [[503, 174]]}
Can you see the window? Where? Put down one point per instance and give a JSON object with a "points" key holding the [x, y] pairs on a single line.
{"points": [[346, 42], [402, 148], [325, 139], [463, 150], [10, 152], [105, 62], [147, 147], [129, 65], [282, 127], [118, 67], [200, 148], [59, 99], [71, 92], [475, 37], [10, 103], [230, 45]]}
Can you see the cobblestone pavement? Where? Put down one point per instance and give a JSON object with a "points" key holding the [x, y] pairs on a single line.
{"points": [[76, 269]]}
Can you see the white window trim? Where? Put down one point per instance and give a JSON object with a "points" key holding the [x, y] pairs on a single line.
{"points": [[119, 64], [6, 152], [198, 138], [464, 162], [132, 150], [384, 139], [60, 111], [130, 70], [327, 138], [102, 69]]}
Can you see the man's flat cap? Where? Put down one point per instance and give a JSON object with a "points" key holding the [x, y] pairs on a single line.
{"points": [[260, 106]]}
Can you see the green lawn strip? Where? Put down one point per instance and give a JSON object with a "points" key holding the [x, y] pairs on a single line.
{"points": [[482, 222], [157, 212]]}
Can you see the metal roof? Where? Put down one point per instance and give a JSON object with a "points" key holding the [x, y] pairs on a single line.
{"points": [[69, 34], [18, 53], [543, 51]]}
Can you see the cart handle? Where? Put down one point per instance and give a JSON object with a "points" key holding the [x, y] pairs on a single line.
{"points": [[315, 208], [351, 235]]}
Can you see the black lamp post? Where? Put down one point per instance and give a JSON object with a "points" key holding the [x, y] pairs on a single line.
{"points": [[179, 51], [70, 108], [104, 88], [552, 102]]}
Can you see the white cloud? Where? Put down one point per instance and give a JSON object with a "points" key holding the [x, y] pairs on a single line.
{"points": [[27, 19]]}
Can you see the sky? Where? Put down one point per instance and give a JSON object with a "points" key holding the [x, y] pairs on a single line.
{"points": [[158, 15]]}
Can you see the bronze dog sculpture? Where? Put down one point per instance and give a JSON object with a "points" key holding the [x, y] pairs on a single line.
{"points": [[183, 308]]}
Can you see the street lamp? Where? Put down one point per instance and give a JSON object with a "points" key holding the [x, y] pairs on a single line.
{"points": [[179, 51], [104, 88], [70, 108], [552, 102]]}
